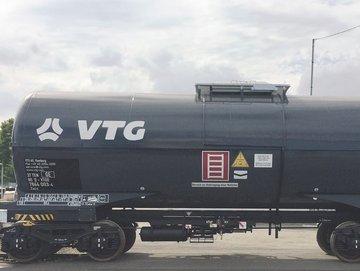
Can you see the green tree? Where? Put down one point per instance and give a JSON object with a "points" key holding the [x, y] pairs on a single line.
{"points": [[5, 150]]}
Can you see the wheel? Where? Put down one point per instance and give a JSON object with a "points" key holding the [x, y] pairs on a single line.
{"points": [[108, 243], [345, 242], [130, 235], [323, 237], [28, 249]]}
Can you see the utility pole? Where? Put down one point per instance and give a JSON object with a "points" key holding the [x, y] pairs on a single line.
{"points": [[313, 53], [2, 180], [2, 174], [312, 66]]}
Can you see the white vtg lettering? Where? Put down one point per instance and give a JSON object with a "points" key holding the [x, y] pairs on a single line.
{"points": [[133, 131]]}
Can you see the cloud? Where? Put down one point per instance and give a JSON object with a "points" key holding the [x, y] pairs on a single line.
{"points": [[170, 72], [107, 58], [118, 79], [337, 2], [12, 57], [32, 55], [8, 103], [339, 80], [133, 14], [168, 46]]}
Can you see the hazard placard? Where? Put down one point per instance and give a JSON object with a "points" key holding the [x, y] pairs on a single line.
{"points": [[215, 166], [240, 161]]}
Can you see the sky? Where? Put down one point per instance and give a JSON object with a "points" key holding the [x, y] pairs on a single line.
{"points": [[168, 46]]}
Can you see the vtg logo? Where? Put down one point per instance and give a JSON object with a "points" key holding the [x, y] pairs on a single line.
{"points": [[43, 130], [133, 131]]}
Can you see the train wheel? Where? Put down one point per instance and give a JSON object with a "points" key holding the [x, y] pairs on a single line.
{"points": [[28, 249], [323, 237], [345, 242], [130, 235], [108, 243]]}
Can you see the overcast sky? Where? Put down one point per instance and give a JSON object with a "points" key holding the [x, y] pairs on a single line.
{"points": [[168, 46]]}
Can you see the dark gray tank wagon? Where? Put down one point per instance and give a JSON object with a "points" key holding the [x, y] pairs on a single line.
{"points": [[90, 167]]}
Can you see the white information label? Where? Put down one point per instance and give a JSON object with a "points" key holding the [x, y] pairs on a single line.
{"points": [[214, 185], [35, 199], [242, 225], [240, 174], [263, 160]]}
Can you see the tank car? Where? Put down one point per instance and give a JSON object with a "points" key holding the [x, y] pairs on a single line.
{"points": [[91, 167]]}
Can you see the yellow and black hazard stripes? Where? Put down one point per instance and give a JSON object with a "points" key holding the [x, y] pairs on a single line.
{"points": [[34, 217]]}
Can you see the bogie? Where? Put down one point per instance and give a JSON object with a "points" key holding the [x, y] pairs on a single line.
{"points": [[107, 243], [21, 246]]}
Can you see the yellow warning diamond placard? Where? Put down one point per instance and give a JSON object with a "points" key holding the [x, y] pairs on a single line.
{"points": [[240, 161]]}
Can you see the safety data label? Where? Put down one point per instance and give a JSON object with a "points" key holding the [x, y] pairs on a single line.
{"points": [[263, 160], [214, 185], [52, 174], [63, 199]]}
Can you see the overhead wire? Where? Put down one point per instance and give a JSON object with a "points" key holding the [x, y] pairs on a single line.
{"points": [[338, 33]]}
